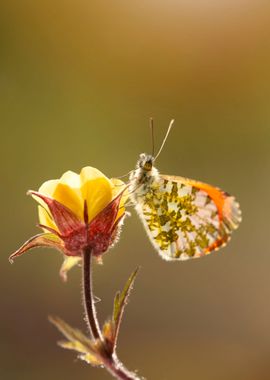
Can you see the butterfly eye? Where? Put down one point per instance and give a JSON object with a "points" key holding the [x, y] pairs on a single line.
{"points": [[147, 166]]}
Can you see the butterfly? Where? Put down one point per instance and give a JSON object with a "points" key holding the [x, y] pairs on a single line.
{"points": [[183, 218]]}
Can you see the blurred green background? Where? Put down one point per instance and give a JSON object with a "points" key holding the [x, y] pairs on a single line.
{"points": [[79, 81]]}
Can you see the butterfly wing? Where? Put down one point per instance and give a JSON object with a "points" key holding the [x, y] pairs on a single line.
{"points": [[187, 219]]}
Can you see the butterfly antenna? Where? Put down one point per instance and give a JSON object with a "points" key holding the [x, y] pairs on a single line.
{"points": [[151, 122], [165, 138]]}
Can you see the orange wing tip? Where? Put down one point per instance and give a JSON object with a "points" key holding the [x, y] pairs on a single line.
{"points": [[232, 215]]}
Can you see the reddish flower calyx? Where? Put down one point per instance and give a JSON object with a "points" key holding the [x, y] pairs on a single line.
{"points": [[72, 235]]}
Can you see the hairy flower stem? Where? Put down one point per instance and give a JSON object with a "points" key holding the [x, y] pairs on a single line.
{"points": [[110, 360], [118, 371], [88, 296]]}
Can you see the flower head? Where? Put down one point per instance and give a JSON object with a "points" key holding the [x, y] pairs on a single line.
{"points": [[78, 212]]}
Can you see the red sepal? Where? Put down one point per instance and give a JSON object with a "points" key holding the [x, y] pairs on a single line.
{"points": [[101, 230], [40, 240], [65, 220], [74, 235]]}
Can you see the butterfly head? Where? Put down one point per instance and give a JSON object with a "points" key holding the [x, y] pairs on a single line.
{"points": [[143, 176], [145, 162]]}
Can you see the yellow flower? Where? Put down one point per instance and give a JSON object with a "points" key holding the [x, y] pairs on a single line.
{"points": [[73, 190], [77, 212]]}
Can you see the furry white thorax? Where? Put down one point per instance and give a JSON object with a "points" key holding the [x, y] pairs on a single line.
{"points": [[141, 179]]}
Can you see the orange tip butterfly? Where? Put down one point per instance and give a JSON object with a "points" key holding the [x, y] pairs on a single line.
{"points": [[183, 218]]}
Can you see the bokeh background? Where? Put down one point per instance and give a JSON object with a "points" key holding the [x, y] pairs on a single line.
{"points": [[78, 83]]}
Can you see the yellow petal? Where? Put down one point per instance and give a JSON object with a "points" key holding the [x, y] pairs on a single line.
{"points": [[47, 188], [45, 218], [96, 190], [119, 186], [88, 173], [67, 192], [71, 179]]}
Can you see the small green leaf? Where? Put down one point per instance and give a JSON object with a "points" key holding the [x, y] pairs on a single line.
{"points": [[108, 335], [116, 306], [107, 330], [69, 263], [77, 341], [83, 354], [120, 302]]}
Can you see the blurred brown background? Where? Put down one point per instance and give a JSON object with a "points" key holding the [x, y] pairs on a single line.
{"points": [[79, 81]]}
